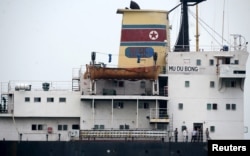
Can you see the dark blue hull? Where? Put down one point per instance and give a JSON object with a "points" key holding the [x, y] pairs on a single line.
{"points": [[101, 148]]}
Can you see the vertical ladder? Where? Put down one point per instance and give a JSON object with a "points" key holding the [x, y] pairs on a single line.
{"points": [[75, 84], [76, 72], [170, 128]]}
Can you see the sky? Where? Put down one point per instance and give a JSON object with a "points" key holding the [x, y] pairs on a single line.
{"points": [[43, 40]]}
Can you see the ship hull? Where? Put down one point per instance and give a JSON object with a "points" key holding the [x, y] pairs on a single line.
{"points": [[101, 148]]}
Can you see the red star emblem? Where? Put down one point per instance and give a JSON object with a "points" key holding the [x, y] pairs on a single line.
{"points": [[153, 35]]}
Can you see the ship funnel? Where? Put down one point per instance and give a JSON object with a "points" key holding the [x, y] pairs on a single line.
{"points": [[143, 33]]}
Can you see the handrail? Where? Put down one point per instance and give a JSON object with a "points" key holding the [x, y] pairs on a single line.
{"points": [[122, 133]]}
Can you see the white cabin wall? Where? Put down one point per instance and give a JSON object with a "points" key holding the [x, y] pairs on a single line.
{"points": [[129, 87], [102, 114], [227, 123], [11, 128], [70, 108]]}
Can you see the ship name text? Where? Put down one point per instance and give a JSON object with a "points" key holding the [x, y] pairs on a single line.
{"points": [[183, 68]]}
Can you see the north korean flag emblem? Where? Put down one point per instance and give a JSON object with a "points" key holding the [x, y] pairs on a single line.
{"points": [[153, 35], [143, 35]]}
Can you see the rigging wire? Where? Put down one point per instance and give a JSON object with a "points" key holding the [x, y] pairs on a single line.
{"points": [[202, 23]]}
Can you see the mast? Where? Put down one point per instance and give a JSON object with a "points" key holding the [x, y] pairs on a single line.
{"points": [[197, 29], [182, 43]]}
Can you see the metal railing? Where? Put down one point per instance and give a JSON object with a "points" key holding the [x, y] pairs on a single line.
{"points": [[123, 134], [34, 85], [158, 113]]}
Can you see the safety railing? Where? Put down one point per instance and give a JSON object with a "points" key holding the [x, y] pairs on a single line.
{"points": [[123, 134]]}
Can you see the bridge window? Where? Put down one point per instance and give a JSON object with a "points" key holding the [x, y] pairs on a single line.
{"points": [[50, 99], [198, 62], [27, 99], [233, 106], [143, 84], [62, 99], [75, 127], [33, 127], [180, 106], [37, 99], [212, 84], [211, 62], [209, 106], [214, 106], [212, 128], [236, 61], [187, 84], [62, 127]]}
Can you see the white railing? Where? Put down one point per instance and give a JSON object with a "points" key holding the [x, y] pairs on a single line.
{"points": [[123, 134], [158, 113], [35, 85]]}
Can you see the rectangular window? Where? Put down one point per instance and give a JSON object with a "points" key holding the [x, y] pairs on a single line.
{"points": [[118, 83], [27, 99], [75, 127], [65, 127], [209, 106], [211, 84], [236, 61], [198, 62], [180, 106], [59, 128], [214, 106], [50, 99], [96, 126], [143, 84], [233, 106], [33, 127], [42, 127], [62, 127], [126, 126], [121, 84], [121, 126], [212, 128], [187, 84], [228, 106], [101, 126], [62, 99], [37, 99], [211, 62]]}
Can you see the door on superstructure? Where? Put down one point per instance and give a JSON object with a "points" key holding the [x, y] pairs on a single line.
{"points": [[199, 131], [163, 86], [163, 109]]}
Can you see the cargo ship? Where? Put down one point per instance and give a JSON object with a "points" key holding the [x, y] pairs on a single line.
{"points": [[157, 101]]}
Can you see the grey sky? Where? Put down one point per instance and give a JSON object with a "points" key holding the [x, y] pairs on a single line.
{"points": [[45, 39]]}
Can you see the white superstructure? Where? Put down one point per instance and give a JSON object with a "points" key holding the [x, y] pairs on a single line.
{"points": [[194, 90]]}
